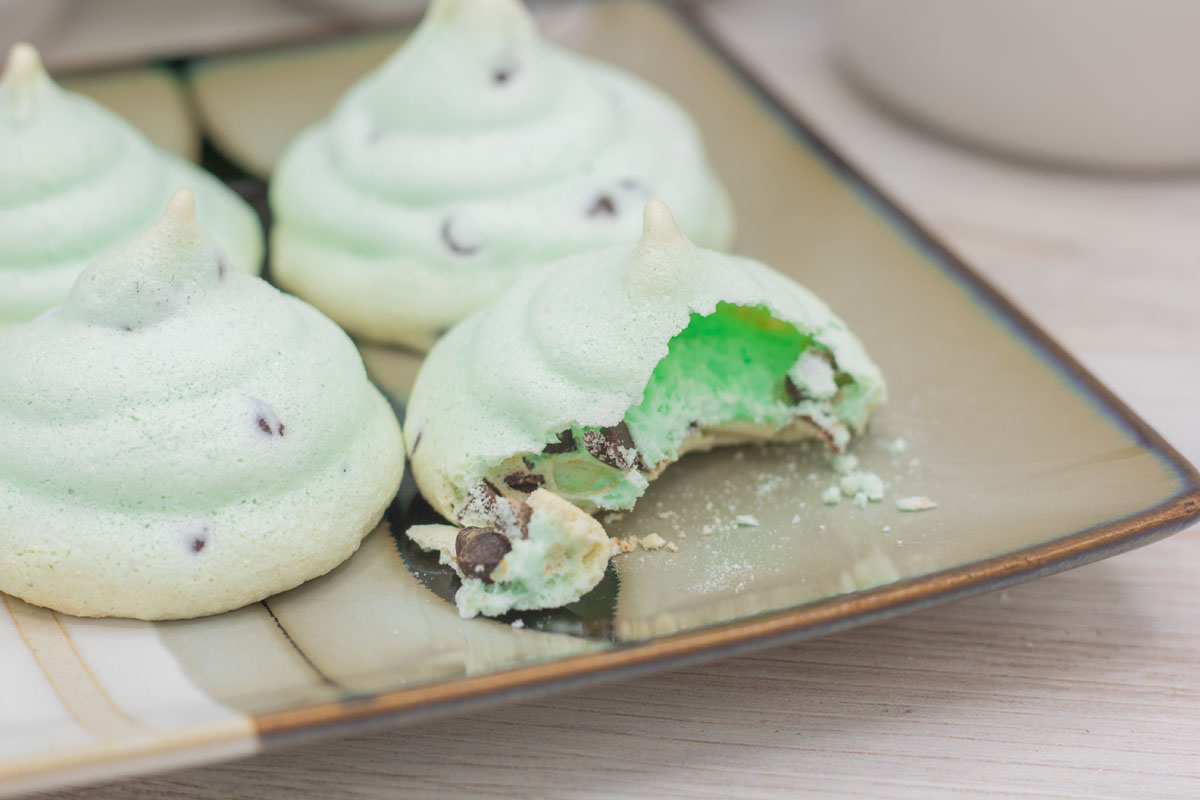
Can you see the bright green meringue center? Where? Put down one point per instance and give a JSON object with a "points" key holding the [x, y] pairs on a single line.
{"points": [[727, 368]]}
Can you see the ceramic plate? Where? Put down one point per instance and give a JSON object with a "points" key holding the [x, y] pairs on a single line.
{"points": [[1035, 468]]}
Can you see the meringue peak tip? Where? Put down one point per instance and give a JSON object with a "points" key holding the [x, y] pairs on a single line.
{"points": [[659, 227], [153, 275], [663, 259], [23, 72], [181, 209], [503, 11], [178, 221], [23, 60]]}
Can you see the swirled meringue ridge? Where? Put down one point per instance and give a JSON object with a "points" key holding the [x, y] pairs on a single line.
{"points": [[179, 439], [75, 180], [476, 153]]}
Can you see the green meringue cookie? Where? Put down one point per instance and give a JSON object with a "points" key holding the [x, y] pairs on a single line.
{"points": [[76, 179], [476, 153], [589, 377], [179, 439]]}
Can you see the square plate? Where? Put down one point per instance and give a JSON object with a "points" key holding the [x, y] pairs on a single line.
{"points": [[1036, 468]]}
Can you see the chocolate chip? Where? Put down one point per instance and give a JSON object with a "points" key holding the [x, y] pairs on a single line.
{"points": [[604, 205], [222, 263], [793, 391], [505, 70], [452, 243], [565, 444], [527, 482], [612, 446], [195, 536], [268, 421], [480, 551], [481, 500], [416, 443], [484, 500]]}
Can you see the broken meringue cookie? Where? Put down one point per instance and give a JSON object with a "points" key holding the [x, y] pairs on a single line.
{"points": [[586, 379], [541, 552]]}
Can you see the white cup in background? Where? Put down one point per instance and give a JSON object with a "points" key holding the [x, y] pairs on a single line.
{"points": [[1113, 84]]}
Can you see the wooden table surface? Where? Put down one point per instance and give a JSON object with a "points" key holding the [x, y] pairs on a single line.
{"points": [[1086, 684]]}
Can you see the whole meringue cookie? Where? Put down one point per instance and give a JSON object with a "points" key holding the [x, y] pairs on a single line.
{"points": [[476, 153], [588, 378], [76, 179], [179, 439]]}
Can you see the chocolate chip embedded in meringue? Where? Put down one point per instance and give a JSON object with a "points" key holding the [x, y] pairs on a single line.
{"points": [[565, 444], [527, 482], [266, 419], [195, 536], [479, 551], [613, 446], [505, 70], [452, 242], [603, 207], [222, 262]]}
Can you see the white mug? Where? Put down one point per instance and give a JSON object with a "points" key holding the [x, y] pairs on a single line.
{"points": [[1094, 83]]}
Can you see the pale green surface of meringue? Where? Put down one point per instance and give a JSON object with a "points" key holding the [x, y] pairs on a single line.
{"points": [[574, 347], [76, 179], [181, 439], [475, 154]]}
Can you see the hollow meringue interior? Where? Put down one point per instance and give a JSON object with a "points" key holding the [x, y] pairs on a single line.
{"points": [[725, 380]]}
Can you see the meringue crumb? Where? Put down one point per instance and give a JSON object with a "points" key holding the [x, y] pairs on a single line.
{"points": [[652, 541], [518, 623], [746, 520], [845, 463], [832, 496], [915, 503], [671, 548]]}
